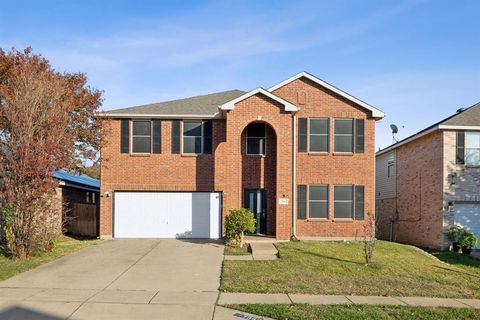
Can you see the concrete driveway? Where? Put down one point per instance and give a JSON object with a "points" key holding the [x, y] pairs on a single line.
{"points": [[120, 279]]}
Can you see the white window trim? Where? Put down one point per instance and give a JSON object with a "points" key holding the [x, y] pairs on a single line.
{"points": [[327, 201], [202, 122], [246, 141], [344, 135], [151, 136], [328, 135]]}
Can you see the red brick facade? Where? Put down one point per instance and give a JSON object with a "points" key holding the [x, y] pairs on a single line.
{"points": [[229, 170]]}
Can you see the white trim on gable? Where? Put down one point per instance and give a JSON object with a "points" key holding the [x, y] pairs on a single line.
{"points": [[231, 104], [376, 113]]}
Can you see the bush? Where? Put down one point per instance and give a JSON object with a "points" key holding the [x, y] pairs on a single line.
{"points": [[454, 233], [468, 240], [237, 222]]}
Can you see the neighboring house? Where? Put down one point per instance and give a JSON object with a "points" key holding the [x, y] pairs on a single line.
{"points": [[300, 155], [80, 197], [430, 181]]}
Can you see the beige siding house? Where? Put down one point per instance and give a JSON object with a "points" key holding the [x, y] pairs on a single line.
{"points": [[430, 181]]}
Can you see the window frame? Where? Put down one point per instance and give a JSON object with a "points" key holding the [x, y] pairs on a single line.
{"points": [[317, 134], [352, 120], [390, 164], [466, 148], [183, 137], [352, 218], [265, 139], [151, 136], [308, 202]]}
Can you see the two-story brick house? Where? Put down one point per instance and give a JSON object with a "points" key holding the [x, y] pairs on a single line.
{"points": [[300, 155], [430, 181]]}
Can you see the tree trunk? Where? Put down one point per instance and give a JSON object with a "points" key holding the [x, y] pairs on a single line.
{"points": [[241, 240]]}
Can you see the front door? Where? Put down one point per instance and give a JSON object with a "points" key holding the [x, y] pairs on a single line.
{"points": [[256, 201]]}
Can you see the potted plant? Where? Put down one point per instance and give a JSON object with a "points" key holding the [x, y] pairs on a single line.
{"points": [[454, 234], [468, 241]]}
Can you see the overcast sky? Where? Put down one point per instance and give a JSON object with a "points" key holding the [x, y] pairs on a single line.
{"points": [[418, 61]]}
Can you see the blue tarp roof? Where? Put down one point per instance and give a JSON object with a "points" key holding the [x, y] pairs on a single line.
{"points": [[82, 179]]}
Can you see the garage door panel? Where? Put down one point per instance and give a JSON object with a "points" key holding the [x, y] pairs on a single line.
{"points": [[166, 215], [467, 215]]}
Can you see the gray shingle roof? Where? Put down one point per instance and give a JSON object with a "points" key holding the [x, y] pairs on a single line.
{"points": [[205, 105], [468, 117]]}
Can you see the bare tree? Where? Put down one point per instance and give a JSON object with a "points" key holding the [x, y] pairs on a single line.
{"points": [[47, 121], [369, 239]]}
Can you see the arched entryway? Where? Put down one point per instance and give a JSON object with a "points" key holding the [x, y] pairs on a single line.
{"points": [[259, 169]]}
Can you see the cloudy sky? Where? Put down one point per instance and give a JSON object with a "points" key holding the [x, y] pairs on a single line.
{"points": [[418, 61]]}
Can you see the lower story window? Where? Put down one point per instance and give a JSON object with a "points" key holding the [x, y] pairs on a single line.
{"points": [[318, 202], [343, 202]]}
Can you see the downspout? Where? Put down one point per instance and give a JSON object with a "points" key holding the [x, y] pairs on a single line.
{"points": [[294, 178]]}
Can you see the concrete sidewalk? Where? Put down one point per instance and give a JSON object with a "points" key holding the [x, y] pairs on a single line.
{"points": [[246, 298]]}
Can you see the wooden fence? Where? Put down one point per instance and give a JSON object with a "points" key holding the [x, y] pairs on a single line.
{"points": [[83, 220]]}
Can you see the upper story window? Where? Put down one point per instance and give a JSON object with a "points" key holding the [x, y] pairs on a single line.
{"points": [[391, 165], [256, 139], [192, 137], [343, 135], [318, 135], [468, 148], [472, 148], [142, 136]]}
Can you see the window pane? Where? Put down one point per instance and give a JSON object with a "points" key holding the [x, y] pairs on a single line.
{"points": [[472, 157], [318, 126], [344, 143], [343, 193], [141, 144], [192, 129], [318, 210], [192, 145], [344, 126], [318, 143], [141, 128], [256, 130], [472, 139], [343, 210], [318, 193], [255, 145]]}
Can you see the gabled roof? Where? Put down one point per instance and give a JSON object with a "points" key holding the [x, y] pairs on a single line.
{"points": [[376, 113], [463, 119], [204, 106], [81, 180], [231, 104]]}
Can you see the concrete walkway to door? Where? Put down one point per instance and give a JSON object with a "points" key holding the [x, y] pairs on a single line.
{"points": [[120, 279]]}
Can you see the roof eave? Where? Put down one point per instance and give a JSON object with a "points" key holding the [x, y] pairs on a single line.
{"points": [[157, 116]]}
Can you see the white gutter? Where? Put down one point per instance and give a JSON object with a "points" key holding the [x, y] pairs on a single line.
{"points": [[294, 177], [158, 116], [450, 127]]}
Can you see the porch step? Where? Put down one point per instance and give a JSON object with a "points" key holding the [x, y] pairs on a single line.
{"points": [[263, 249]]}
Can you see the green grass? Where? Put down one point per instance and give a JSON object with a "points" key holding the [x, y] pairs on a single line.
{"points": [[237, 251], [10, 266], [355, 312], [338, 268]]}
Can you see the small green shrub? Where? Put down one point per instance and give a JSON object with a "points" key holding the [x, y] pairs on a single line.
{"points": [[468, 240], [237, 222], [454, 233]]}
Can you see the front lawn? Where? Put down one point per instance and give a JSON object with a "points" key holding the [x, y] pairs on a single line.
{"points": [[10, 267], [354, 312], [316, 267]]}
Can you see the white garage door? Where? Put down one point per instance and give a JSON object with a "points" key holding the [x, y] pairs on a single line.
{"points": [[467, 215], [167, 215]]}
